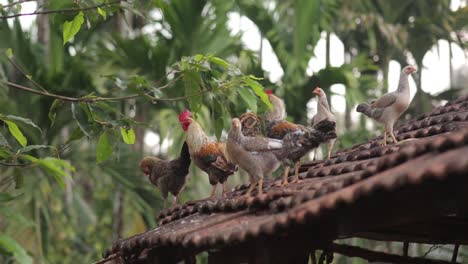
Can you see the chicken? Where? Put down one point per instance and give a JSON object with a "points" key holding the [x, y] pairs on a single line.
{"points": [[253, 154], [168, 176], [324, 113], [388, 108], [250, 124], [301, 140], [298, 143], [208, 154]]}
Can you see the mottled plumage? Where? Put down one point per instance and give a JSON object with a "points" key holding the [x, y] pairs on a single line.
{"points": [[298, 140], [168, 176], [388, 108]]}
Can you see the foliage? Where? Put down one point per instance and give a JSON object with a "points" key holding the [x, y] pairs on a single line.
{"points": [[80, 90]]}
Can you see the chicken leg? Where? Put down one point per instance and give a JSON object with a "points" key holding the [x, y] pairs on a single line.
{"points": [[385, 136], [393, 137], [285, 176], [330, 145], [297, 165], [213, 191], [224, 189], [252, 186], [260, 186], [175, 200]]}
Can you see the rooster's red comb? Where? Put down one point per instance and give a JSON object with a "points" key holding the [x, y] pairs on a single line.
{"points": [[268, 91], [184, 115]]}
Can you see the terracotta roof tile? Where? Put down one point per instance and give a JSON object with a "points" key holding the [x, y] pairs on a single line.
{"points": [[435, 147]]}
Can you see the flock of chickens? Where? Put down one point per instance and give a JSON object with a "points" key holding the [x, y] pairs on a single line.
{"points": [[261, 155]]}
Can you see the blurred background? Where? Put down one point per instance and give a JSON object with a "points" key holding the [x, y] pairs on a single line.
{"points": [[354, 50]]}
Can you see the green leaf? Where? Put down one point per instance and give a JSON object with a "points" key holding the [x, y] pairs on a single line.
{"points": [[3, 141], [14, 216], [218, 113], [24, 120], [70, 28], [55, 167], [76, 134], [192, 82], [102, 13], [9, 53], [128, 136], [258, 90], [104, 148], [15, 249], [81, 118], [16, 132], [222, 63], [53, 110], [32, 147], [198, 57], [6, 197], [248, 98]]}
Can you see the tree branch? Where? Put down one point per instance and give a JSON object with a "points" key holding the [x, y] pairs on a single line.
{"points": [[15, 164], [99, 99], [65, 10], [373, 256]]}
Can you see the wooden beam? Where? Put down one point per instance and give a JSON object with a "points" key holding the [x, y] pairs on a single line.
{"points": [[373, 256]]}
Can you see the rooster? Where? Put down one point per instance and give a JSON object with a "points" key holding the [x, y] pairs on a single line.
{"points": [[388, 108], [299, 139], [324, 113], [208, 154], [255, 155], [168, 176]]}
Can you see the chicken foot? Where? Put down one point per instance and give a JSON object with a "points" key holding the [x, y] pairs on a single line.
{"points": [[297, 165], [252, 186]]}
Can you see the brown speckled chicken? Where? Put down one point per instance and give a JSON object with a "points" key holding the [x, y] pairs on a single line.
{"points": [[299, 139], [208, 154], [168, 176], [388, 108], [255, 155]]}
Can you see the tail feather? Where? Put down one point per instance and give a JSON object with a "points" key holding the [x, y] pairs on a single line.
{"points": [[365, 109]]}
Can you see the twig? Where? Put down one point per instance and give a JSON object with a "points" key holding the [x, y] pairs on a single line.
{"points": [[66, 98], [432, 248], [15, 164], [96, 99], [65, 10], [15, 3], [27, 76], [109, 258]]}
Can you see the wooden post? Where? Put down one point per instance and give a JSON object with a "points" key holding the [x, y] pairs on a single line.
{"points": [[455, 253], [405, 248]]}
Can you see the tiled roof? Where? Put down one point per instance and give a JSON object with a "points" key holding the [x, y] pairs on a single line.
{"points": [[362, 191]]}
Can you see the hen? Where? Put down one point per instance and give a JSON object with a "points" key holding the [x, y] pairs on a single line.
{"points": [[388, 108], [255, 155], [324, 113], [298, 140], [168, 176], [208, 154]]}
